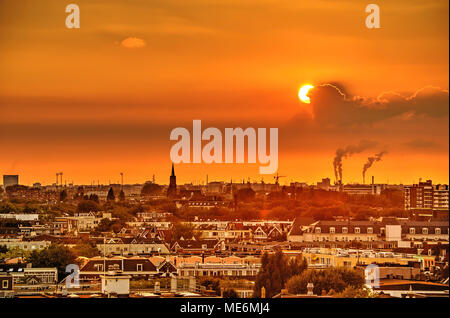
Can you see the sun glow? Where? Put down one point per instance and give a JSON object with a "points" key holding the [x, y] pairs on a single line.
{"points": [[303, 93]]}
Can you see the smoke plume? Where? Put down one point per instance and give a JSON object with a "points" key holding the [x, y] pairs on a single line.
{"points": [[370, 161], [348, 151]]}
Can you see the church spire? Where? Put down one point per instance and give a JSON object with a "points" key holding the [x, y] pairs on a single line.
{"points": [[172, 190]]}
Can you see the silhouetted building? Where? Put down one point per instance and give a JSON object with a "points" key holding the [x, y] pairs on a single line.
{"points": [[172, 190], [325, 184], [10, 180]]}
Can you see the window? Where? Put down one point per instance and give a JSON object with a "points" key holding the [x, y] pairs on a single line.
{"points": [[370, 230], [437, 231], [357, 230], [425, 230], [412, 230], [344, 230], [5, 284], [317, 230], [99, 267], [332, 230], [139, 267]]}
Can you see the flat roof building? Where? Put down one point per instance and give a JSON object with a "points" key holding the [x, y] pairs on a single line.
{"points": [[10, 180]]}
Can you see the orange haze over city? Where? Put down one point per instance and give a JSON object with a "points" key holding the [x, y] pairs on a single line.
{"points": [[102, 99]]}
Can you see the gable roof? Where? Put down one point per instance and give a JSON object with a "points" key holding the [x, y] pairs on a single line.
{"points": [[298, 225]]}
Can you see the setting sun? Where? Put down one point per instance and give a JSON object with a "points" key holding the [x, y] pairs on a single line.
{"points": [[303, 93]]}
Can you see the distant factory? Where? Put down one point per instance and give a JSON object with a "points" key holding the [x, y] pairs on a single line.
{"points": [[10, 180]]}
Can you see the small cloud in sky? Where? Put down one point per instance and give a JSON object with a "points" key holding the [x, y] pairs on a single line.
{"points": [[133, 43]]}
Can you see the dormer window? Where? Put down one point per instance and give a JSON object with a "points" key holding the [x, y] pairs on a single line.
{"points": [[370, 230], [317, 230], [437, 231], [139, 267], [344, 230], [357, 230], [332, 230], [412, 230], [425, 231]]}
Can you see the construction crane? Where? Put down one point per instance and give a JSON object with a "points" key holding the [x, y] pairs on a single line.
{"points": [[277, 177]]}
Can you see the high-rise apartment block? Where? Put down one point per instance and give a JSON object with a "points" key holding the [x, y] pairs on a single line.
{"points": [[426, 199]]}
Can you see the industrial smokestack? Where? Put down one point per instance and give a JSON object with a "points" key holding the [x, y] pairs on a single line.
{"points": [[373, 185], [348, 151], [369, 163]]}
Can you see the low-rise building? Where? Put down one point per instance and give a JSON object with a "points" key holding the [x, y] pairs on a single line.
{"points": [[322, 258], [125, 246], [24, 245], [25, 277], [136, 267]]}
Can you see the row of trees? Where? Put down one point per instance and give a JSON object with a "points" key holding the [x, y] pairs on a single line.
{"points": [[276, 269], [55, 255], [278, 272], [331, 280]]}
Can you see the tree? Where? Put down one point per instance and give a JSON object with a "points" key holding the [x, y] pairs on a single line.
{"points": [[8, 207], [55, 255], [63, 195], [183, 230], [211, 283], [31, 208], [86, 250], [107, 225], [14, 252], [230, 293], [275, 271], [354, 292], [150, 188], [336, 279], [110, 196], [94, 197], [121, 196], [3, 249], [277, 195], [245, 195], [88, 206]]}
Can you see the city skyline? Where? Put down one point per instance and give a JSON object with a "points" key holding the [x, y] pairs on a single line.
{"points": [[282, 181]]}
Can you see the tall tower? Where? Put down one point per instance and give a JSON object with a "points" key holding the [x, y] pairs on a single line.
{"points": [[172, 190]]}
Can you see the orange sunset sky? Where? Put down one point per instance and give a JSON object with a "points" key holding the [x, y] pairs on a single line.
{"points": [[100, 100]]}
